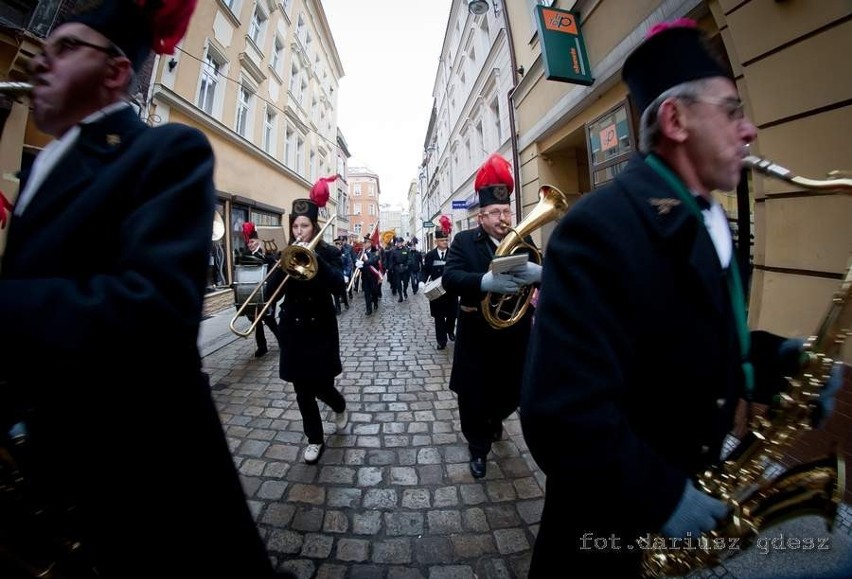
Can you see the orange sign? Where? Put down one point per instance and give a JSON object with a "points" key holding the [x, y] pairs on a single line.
{"points": [[609, 138], [560, 21]]}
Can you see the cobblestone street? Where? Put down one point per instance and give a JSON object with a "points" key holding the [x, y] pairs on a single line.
{"points": [[392, 496]]}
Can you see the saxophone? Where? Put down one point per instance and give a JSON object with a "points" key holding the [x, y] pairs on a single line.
{"points": [[755, 502]]}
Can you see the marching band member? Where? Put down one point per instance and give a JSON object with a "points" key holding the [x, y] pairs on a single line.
{"points": [[117, 472], [487, 362], [371, 278], [255, 253], [445, 307], [309, 338]]}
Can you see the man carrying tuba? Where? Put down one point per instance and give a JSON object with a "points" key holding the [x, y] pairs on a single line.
{"points": [[487, 362]]}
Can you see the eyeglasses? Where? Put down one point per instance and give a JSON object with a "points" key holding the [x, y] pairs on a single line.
{"points": [[62, 46], [733, 107], [497, 213]]}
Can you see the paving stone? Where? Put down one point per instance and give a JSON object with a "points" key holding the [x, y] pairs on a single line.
{"points": [[416, 499], [404, 523], [432, 550], [393, 551]]}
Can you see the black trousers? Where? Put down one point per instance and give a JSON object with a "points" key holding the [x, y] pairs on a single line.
{"points": [[478, 427], [307, 394], [445, 324], [260, 334]]}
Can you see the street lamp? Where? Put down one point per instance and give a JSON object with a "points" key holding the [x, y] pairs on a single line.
{"points": [[477, 7]]}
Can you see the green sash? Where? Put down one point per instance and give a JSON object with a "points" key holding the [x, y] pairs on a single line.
{"points": [[732, 273]]}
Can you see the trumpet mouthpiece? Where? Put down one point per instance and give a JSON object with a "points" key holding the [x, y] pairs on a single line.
{"points": [[15, 88]]}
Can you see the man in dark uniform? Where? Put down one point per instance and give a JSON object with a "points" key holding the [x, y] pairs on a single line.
{"points": [[369, 263], [255, 254], [487, 362], [399, 259], [640, 349], [115, 467], [445, 307], [415, 264]]}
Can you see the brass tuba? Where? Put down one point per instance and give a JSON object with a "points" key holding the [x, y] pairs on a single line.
{"points": [[504, 310], [756, 502], [300, 263]]}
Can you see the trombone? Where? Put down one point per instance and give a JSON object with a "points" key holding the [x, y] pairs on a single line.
{"points": [[300, 263]]}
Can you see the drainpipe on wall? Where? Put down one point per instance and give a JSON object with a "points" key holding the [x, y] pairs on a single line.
{"points": [[516, 163]]}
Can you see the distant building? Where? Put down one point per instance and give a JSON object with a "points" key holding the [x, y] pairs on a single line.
{"points": [[364, 192]]}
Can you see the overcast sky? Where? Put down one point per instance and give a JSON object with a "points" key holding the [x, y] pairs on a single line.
{"points": [[389, 50]]}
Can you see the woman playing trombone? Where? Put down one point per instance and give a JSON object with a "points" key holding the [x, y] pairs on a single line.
{"points": [[309, 339]]}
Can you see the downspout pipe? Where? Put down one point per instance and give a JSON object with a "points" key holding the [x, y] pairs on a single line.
{"points": [[513, 137]]}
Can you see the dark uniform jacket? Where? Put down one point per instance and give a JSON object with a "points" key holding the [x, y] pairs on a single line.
{"points": [[310, 343], [100, 304], [633, 371], [433, 268], [487, 363]]}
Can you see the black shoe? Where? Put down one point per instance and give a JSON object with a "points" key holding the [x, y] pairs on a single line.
{"points": [[441, 346], [451, 336], [369, 313], [477, 467], [400, 299], [261, 351]]}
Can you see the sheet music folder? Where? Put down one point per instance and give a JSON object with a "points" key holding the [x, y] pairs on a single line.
{"points": [[507, 262]]}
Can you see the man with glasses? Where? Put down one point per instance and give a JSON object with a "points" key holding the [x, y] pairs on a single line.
{"points": [[640, 351], [103, 283], [487, 362]]}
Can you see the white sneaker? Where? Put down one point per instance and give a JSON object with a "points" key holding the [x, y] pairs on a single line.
{"points": [[341, 419], [312, 453]]}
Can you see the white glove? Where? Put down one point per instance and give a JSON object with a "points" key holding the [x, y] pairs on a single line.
{"points": [[359, 264], [501, 283], [345, 279], [529, 273], [696, 513]]}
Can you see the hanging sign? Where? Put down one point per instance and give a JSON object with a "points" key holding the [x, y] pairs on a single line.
{"points": [[562, 46]]}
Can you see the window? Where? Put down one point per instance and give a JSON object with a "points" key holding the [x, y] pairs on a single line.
{"points": [[371, 190], [356, 189], [257, 26], [494, 109], [356, 209], [313, 166], [610, 141], [300, 155], [294, 78], [290, 148], [276, 61], [233, 6], [243, 112], [209, 84], [372, 209], [269, 131], [358, 228]]}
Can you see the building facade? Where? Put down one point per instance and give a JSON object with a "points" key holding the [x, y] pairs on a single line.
{"points": [[364, 193], [470, 117]]}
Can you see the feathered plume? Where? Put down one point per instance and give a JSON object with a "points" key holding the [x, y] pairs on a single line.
{"points": [[169, 21], [319, 192], [494, 171], [676, 23], [248, 228], [446, 224]]}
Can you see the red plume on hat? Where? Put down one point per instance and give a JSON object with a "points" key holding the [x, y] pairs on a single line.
{"points": [[495, 171], [248, 229], [446, 224], [319, 192], [676, 23], [169, 21]]}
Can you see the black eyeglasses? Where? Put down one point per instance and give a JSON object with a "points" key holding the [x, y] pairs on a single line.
{"points": [[62, 46], [733, 107]]}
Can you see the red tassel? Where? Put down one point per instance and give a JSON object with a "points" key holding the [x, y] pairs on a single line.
{"points": [[319, 192], [446, 224], [170, 19]]}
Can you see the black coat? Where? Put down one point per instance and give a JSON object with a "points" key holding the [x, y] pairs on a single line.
{"points": [[433, 268], [487, 363], [633, 372], [103, 281], [309, 339]]}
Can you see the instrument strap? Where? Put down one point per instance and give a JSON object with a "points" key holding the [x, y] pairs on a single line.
{"points": [[732, 273]]}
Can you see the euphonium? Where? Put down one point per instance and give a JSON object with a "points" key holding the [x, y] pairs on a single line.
{"points": [[504, 310], [300, 263], [756, 502]]}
